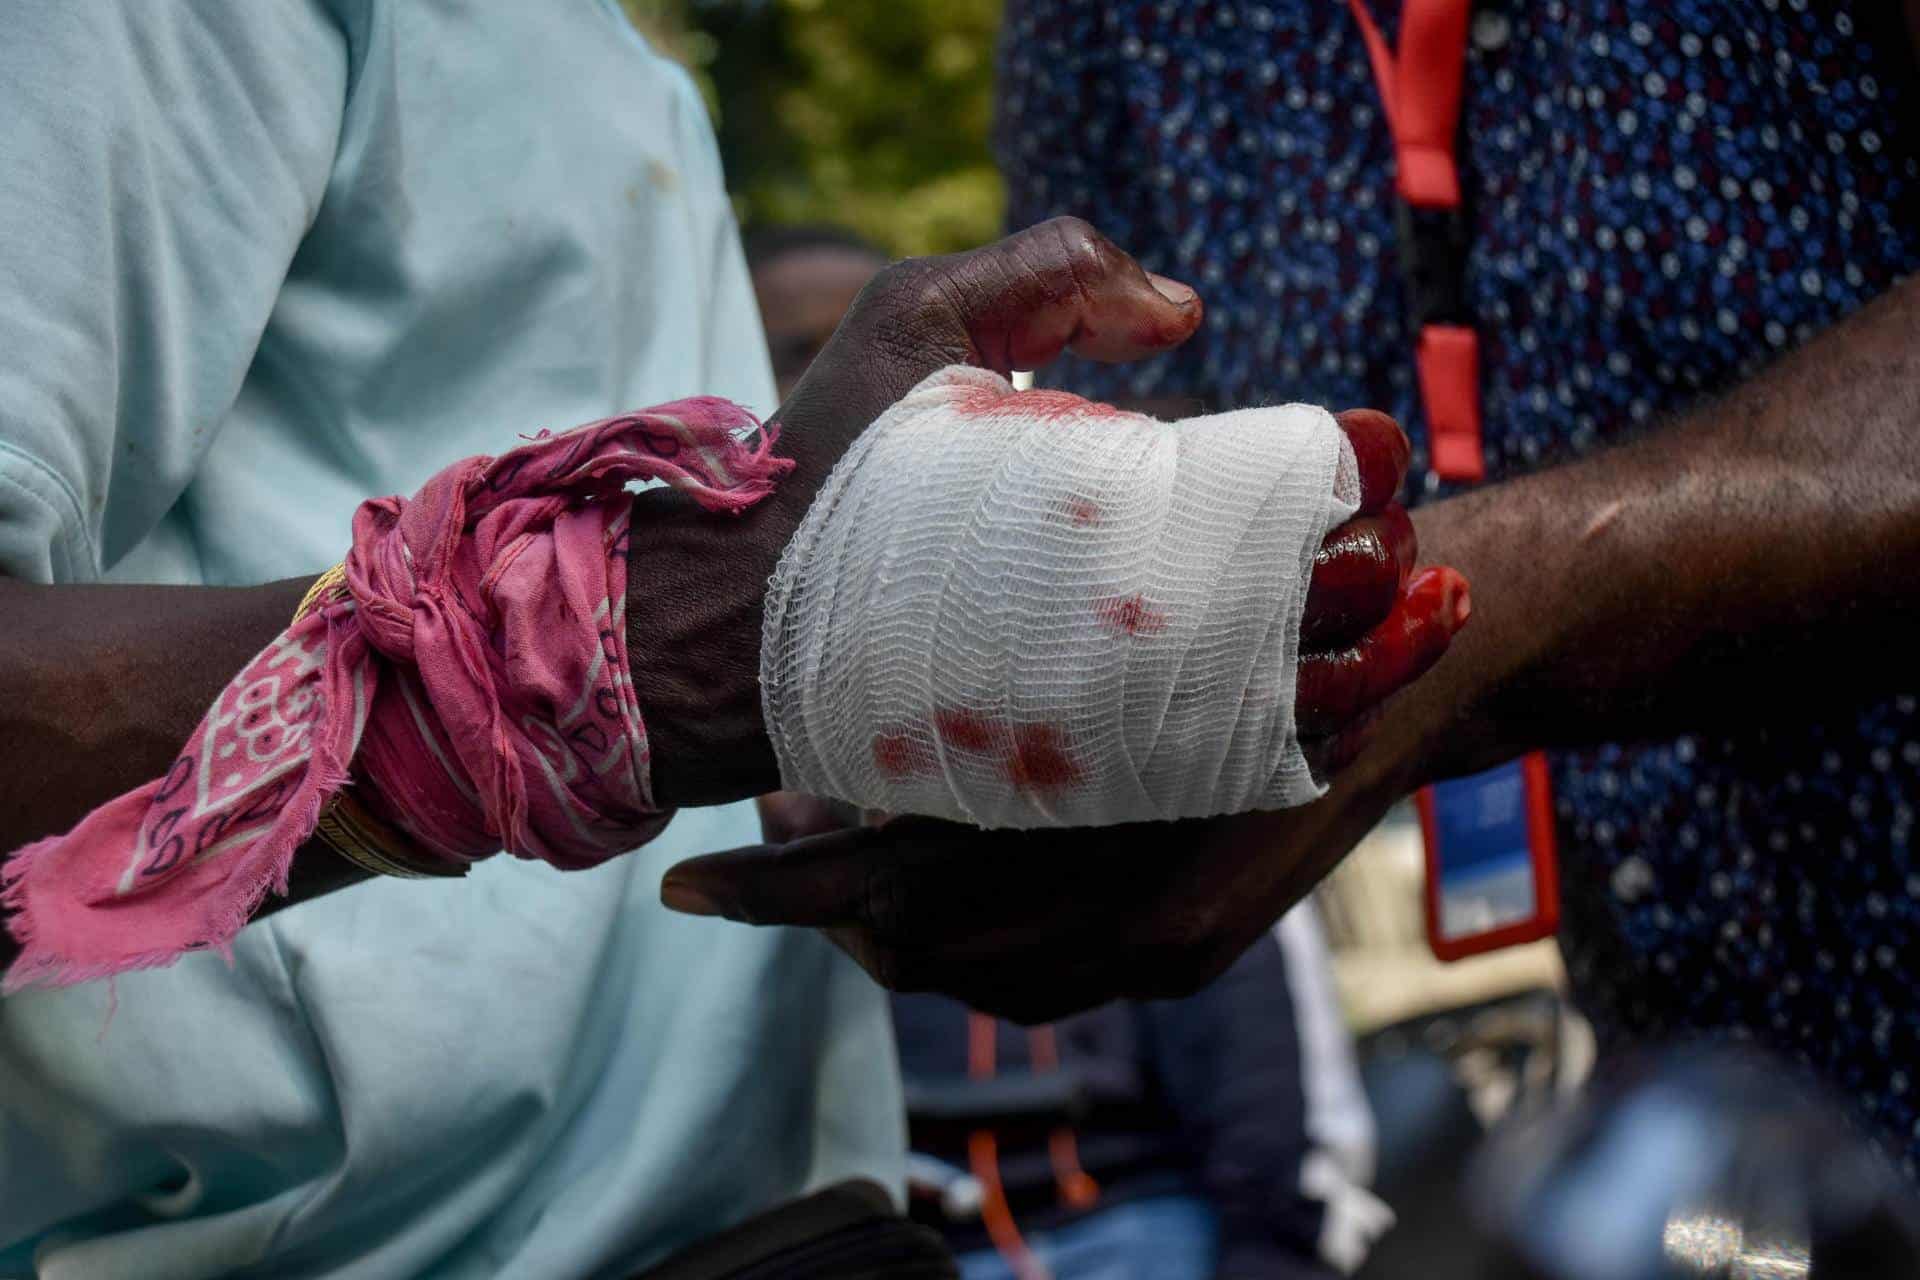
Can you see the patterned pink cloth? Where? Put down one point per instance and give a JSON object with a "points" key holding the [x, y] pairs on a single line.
{"points": [[477, 679]]}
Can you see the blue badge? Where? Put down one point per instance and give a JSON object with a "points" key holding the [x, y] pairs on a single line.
{"points": [[1492, 879]]}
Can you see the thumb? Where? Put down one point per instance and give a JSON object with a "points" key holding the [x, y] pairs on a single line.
{"points": [[1014, 304], [1063, 285], [821, 881]]}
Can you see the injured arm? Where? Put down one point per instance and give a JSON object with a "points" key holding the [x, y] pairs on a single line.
{"points": [[1765, 549], [472, 684]]}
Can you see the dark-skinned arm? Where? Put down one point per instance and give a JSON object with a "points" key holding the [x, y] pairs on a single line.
{"points": [[141, 664], [1760, 553], [1767, 542], [100, 686], [1765, 547], [141, 253]]}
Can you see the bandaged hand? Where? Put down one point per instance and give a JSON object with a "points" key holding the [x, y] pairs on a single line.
{"points": [[521, 655], [1036, 924], [1363, 628]]}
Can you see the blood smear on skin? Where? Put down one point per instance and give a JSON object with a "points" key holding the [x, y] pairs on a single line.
{"points": [[1040, 406]]}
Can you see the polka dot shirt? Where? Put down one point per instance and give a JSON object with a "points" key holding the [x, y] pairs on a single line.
{"points": [[1664, 194]]}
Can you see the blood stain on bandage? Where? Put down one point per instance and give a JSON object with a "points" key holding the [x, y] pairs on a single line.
{"points": [[901, 754], [1040, 405], [1131, 614], [1041, 761], [967, 730], [1081, 511]]}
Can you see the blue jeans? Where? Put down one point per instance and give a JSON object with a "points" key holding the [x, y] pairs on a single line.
{"points": [[1160, 1238]]}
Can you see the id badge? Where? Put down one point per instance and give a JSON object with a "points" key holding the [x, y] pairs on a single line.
{"points": [[1492, 878]]}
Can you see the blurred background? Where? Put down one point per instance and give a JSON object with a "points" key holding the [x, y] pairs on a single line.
{"points": [[871, 114]]}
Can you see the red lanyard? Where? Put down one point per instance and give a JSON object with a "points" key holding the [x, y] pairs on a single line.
{"points": [[1420, 92], [1077, 1188]]}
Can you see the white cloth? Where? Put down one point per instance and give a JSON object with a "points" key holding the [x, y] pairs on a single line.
{"points": [[1023, 609], [1339, 1120]]}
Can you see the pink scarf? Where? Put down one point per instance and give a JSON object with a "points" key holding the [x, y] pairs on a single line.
{"points": [[476, 678]]}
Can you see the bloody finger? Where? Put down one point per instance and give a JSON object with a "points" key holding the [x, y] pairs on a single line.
{"points": [[1357, 576], [1382, 451], [1336, 688]]}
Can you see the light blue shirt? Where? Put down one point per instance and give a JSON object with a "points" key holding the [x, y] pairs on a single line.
{"points": [[259, 261]]}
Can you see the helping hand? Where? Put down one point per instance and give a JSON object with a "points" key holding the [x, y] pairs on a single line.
{"points": [[1034, 925], [698, 579]]}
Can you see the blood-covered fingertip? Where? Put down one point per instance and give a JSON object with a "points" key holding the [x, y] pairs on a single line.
{"points": [[1381, 450], [1334, 688], [1441, 595]]}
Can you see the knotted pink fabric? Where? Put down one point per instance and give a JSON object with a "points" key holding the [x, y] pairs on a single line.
{"points": [[477, 679]]}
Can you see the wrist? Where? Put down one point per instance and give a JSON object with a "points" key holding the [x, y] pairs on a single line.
{"points": [[696, 582], [1471, 711]]}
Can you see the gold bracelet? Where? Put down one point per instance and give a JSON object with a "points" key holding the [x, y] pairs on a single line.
{"points": [[349, 830], [330, 583], [345, 826]]}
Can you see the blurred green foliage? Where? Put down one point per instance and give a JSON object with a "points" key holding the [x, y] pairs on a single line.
{"points": [[872, 114]]}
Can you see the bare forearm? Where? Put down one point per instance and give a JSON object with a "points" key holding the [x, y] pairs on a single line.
{"points": [[1765, 547], [101, 685]]}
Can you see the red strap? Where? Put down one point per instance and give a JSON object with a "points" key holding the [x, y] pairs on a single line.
{"points": [[983, 1158], [1448, 359], [1420, 91], [1078, 1190]]}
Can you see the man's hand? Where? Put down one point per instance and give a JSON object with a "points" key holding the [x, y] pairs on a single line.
{"points": [[1035, 924], [786, 816], [698, 579], [1757, 559]]}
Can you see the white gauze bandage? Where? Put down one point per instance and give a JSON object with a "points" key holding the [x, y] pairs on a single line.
{"points": [[1024, 609]]}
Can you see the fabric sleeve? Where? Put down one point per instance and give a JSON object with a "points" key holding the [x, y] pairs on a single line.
{"points": [[1229, 1061], [159, 165]]}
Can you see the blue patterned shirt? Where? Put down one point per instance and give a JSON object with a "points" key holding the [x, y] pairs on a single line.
{"points": [[1664, 194]]}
